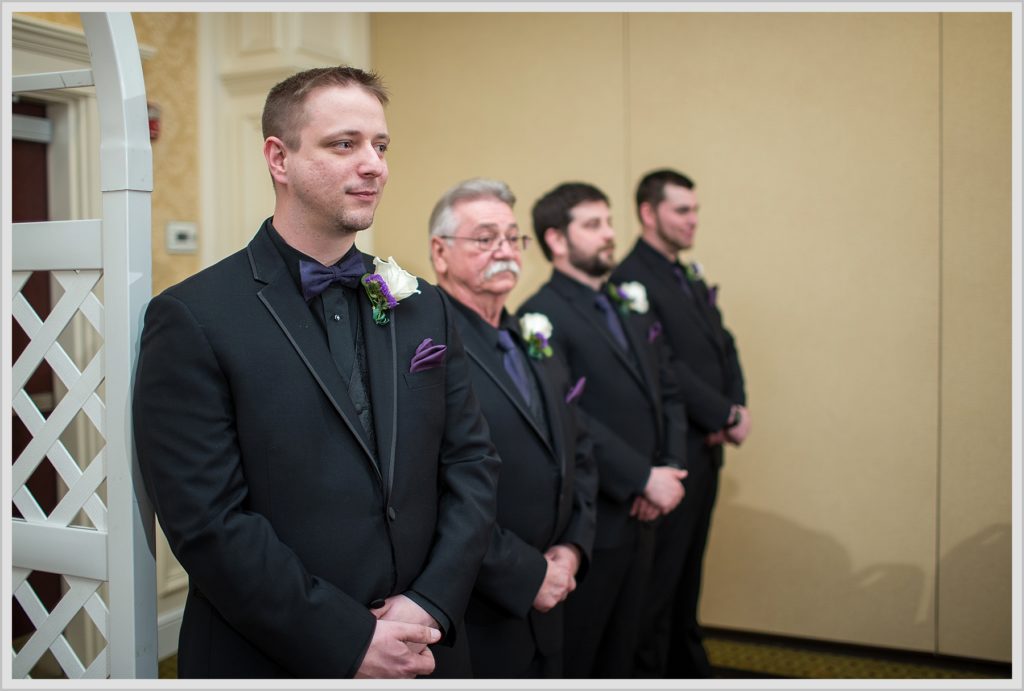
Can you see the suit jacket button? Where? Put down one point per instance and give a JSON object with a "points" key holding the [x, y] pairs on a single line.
{"points": [[377, 604], [391, 513]]}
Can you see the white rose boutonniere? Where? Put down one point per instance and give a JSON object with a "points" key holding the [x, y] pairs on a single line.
{"points": [[694, 271], [385, 288], [629, 297], [636, 294], [537, 329]]}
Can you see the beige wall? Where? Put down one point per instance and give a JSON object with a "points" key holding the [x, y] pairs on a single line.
{"points": [[853, 171], [171, 83], [974, 469]]}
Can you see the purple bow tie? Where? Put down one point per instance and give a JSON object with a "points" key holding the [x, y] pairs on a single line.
{"points": [[315, 277]]}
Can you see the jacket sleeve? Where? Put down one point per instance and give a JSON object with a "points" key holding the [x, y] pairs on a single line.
{"points": [[467, 502], [673, 405], [512, 572], [582, 526], [737, 391], [190, 460]]}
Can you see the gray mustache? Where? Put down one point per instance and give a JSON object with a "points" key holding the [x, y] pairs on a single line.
{"points": [[499, 266]]}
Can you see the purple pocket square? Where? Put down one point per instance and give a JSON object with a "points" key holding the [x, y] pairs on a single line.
{"points": [[576, 391], [428, 356], [654, 332], [713, 295]]}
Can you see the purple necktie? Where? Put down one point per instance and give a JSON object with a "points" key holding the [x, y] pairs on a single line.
{"points": [[514, 364], [682, 280], [315, 277], [614, 325]]}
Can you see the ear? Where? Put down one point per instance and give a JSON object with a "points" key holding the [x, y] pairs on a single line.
{"points": [[438, 255], [647, 216], [557, 242], [276, 154]]}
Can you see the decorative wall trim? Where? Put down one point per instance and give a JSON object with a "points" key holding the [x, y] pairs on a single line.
{"points": [[39, 36], [168, 627]]}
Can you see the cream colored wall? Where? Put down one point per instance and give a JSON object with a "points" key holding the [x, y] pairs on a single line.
{"points": [[825, 151], [974, 469], [170, 82], [488, 96]]}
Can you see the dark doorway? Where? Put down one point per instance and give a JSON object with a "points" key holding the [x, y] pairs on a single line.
{"points": [[30, 203]]}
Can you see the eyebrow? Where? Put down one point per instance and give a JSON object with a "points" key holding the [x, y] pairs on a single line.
{"points": [[357, 133], [494, 226]]}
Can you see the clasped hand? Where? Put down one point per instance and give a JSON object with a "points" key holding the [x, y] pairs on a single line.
{"points": [[560, 578], [735, 435], [398, 649], [662, 494]]}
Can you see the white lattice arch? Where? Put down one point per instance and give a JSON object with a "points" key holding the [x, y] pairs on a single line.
{"points": [[116, 550]]}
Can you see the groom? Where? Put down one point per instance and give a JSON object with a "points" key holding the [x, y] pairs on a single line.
{"points": [[305, 426]]}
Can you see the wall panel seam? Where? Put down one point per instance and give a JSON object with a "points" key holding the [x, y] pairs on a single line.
{"points": [[938, 427]]}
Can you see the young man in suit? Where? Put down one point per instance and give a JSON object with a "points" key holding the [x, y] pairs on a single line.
{"points": [[708, 369], [305, 426], [544, 531], [632, 410]]}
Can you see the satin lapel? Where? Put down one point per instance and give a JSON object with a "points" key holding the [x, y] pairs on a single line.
{"points": [[639, 347], [476, 356], [686, 304], [289, 310], [382, 367], [554, 403], [706, 313], [592, 317]]}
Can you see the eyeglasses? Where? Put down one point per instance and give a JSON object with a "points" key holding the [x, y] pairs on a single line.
{"points": [[490, 243]]}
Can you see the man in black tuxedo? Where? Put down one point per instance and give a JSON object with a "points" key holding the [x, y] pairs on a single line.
{"points": [[544, 532], [632, 409], [305, 425], [708, 369]]}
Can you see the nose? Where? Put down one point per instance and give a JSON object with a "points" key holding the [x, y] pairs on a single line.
{"points": [[372, 163], [505, 248]]}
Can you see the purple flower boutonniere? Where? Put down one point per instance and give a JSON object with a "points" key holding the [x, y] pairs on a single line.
{"points": [[537, 329], [385, 288], [694, 271]]}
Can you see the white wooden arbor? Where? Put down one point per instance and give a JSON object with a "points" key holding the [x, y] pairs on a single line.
{"points": [[108, 568]]}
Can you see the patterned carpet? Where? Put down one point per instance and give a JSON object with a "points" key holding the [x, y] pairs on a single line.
{"points": [[743, 655], [751, 656]]}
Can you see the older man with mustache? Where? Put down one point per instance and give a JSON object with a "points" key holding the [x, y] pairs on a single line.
{"points": [[541, 542]]}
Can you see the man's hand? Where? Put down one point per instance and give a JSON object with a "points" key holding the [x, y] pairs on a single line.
{"points": [[402, 609], [565, 554], [665, 488], [559, 580], [715, 438], [644, 510], [738, 433], [398, 650]]}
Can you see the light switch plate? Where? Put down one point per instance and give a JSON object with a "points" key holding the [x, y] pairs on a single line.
{"points": [[182, 237]]}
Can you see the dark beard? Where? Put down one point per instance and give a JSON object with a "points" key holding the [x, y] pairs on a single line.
{"points": [[592, 266]]}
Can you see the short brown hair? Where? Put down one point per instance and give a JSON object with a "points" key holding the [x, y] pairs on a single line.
{"points": [[283, 113]]}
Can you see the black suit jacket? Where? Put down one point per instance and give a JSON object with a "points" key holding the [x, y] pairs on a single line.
{"points": [[546, 496], [257, 465], [632, 408], [704, 353]]}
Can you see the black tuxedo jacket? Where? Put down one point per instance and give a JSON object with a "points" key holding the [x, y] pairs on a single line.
{"points": [[546, 496], [704, 353], [632, 408], [257, 466]]}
